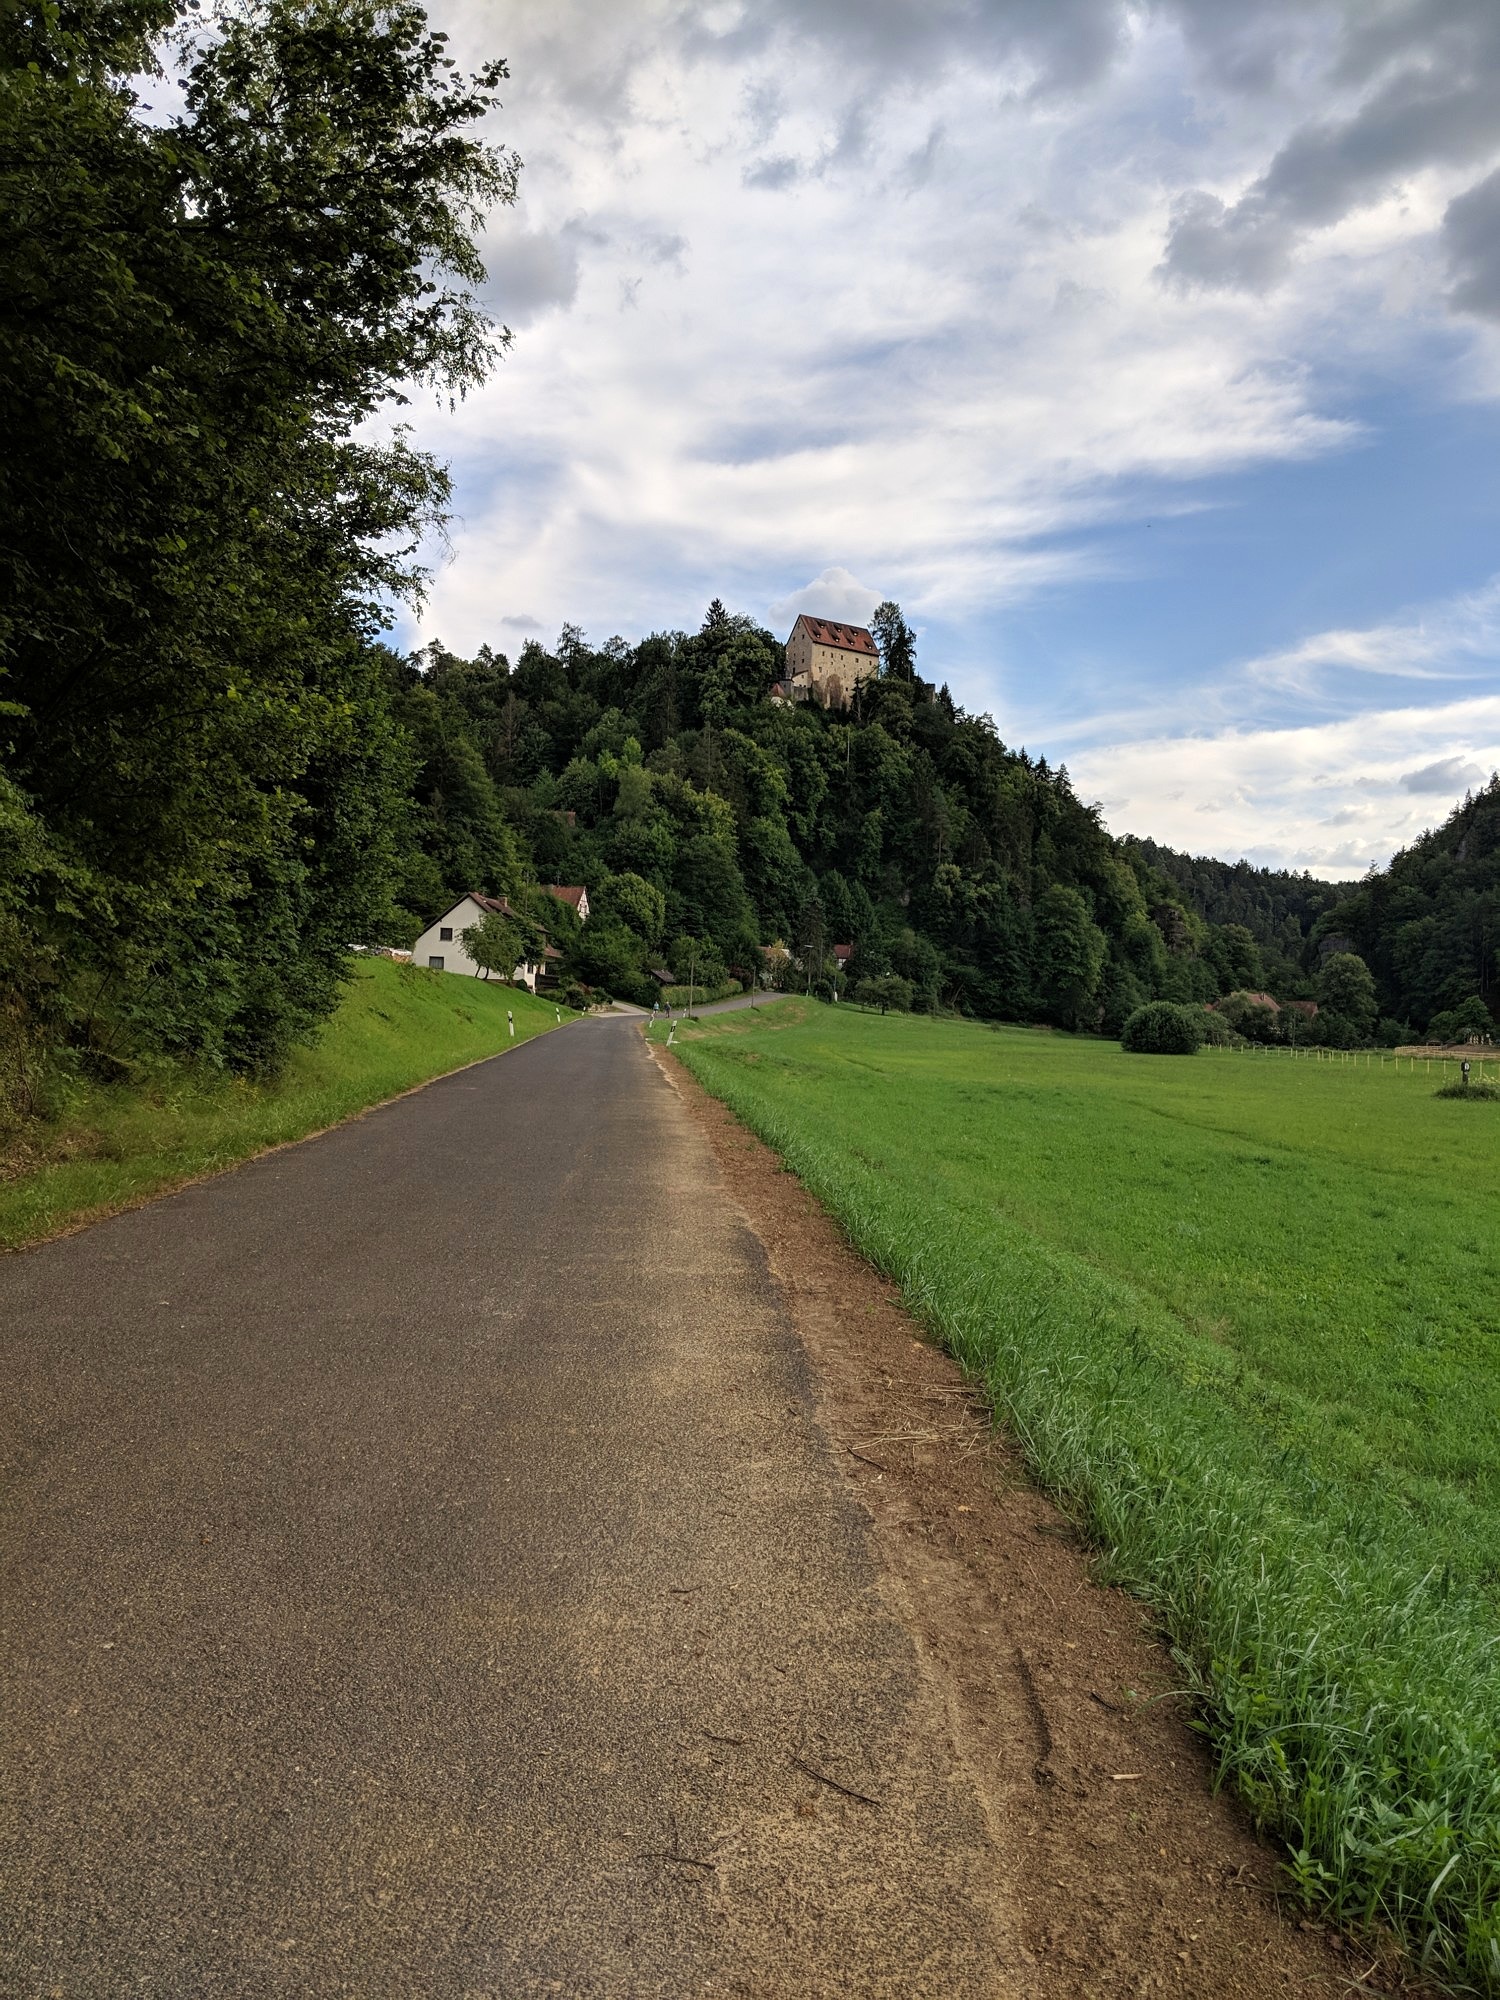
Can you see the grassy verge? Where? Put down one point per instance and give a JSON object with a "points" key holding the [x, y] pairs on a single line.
{"points": [[396, 1026], [1244, 1316]]}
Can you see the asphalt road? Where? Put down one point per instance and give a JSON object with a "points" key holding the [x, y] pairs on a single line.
{"points": [[423, 1571]]}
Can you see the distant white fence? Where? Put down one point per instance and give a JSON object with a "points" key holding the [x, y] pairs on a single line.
{"points": [[1479, 1066]]}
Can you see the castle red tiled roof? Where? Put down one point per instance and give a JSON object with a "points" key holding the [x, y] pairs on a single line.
{"points": [[825, 632]]}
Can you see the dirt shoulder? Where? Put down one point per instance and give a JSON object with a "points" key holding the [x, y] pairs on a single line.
{"points": [[1132, 1877]]}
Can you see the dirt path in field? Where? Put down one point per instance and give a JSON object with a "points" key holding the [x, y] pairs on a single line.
{"points": [[1128, 1875]]}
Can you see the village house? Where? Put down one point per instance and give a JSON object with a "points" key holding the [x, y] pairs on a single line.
{"points": [[825, 662], [441, 945]]}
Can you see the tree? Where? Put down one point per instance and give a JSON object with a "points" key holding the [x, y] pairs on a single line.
{"points": [[886, 991], [812, 939], [1236, 957], [1345, 989], [1250, 1017], [1070, 957], [495, 944], [199, 536], [897, 642], [1462, 1024], [631, 900]]}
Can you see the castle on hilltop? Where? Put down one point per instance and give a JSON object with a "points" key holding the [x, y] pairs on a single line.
{"points": [[825, 662]]}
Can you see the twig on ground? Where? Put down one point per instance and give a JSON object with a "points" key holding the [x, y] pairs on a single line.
{"points": [[865, 1459], [714, 1737], [833, 1783]]}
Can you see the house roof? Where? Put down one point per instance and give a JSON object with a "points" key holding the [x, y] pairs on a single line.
{"points": [[843, 951], [824, 632], [500, 906], [564, 893], [496, 903]]}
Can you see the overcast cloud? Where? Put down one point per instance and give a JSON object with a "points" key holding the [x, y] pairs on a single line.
{"points": [[989, 306]]}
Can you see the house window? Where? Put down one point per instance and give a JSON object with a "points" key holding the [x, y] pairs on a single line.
{"points": [[445, 934], [436, 963]]}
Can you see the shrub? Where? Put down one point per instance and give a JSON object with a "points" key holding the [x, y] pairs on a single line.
{"points": [[700, 995], [1162, 1028], [1478, 1087]]}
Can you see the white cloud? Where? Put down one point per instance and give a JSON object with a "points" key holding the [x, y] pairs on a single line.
{"points": [[1446, 777], [952, 397], [1330, 797], [835, 594], [1444, 643]]}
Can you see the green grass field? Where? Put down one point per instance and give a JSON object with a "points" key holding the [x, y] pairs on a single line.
{"points": [[1245, 1314], [395, 1026]]}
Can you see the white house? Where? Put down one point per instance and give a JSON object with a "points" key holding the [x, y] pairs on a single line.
{"points": [[441, 944]]}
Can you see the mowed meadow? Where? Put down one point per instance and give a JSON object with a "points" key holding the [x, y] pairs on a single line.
{"points": [[1244, 1314]]}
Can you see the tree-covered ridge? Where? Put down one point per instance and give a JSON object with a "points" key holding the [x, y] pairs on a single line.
{"points": [[903, 827], [711, 822], [1279, 907], [1429, 925]]}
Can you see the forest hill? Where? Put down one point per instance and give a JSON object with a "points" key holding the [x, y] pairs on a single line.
{"points": [[710, 820]]}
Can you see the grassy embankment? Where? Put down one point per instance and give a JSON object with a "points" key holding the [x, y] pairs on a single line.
{"points": [[1246, 1316], [395, 1026]]}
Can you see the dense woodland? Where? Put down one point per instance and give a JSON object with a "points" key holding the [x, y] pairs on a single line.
{"points": [[216, 777], [968, 871], [709, 822]]}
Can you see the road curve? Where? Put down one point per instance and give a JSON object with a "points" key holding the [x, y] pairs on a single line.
{"points": [[424, 1575]]}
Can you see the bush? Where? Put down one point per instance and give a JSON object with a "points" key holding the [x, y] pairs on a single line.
{"points": [[1162, 1028], [1479, 1087], [699, 995]]}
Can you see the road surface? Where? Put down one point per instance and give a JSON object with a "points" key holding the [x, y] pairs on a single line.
{"points": [[424, 1576]]}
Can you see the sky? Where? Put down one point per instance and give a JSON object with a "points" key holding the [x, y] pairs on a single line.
{"points": [[1147, 352]]}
